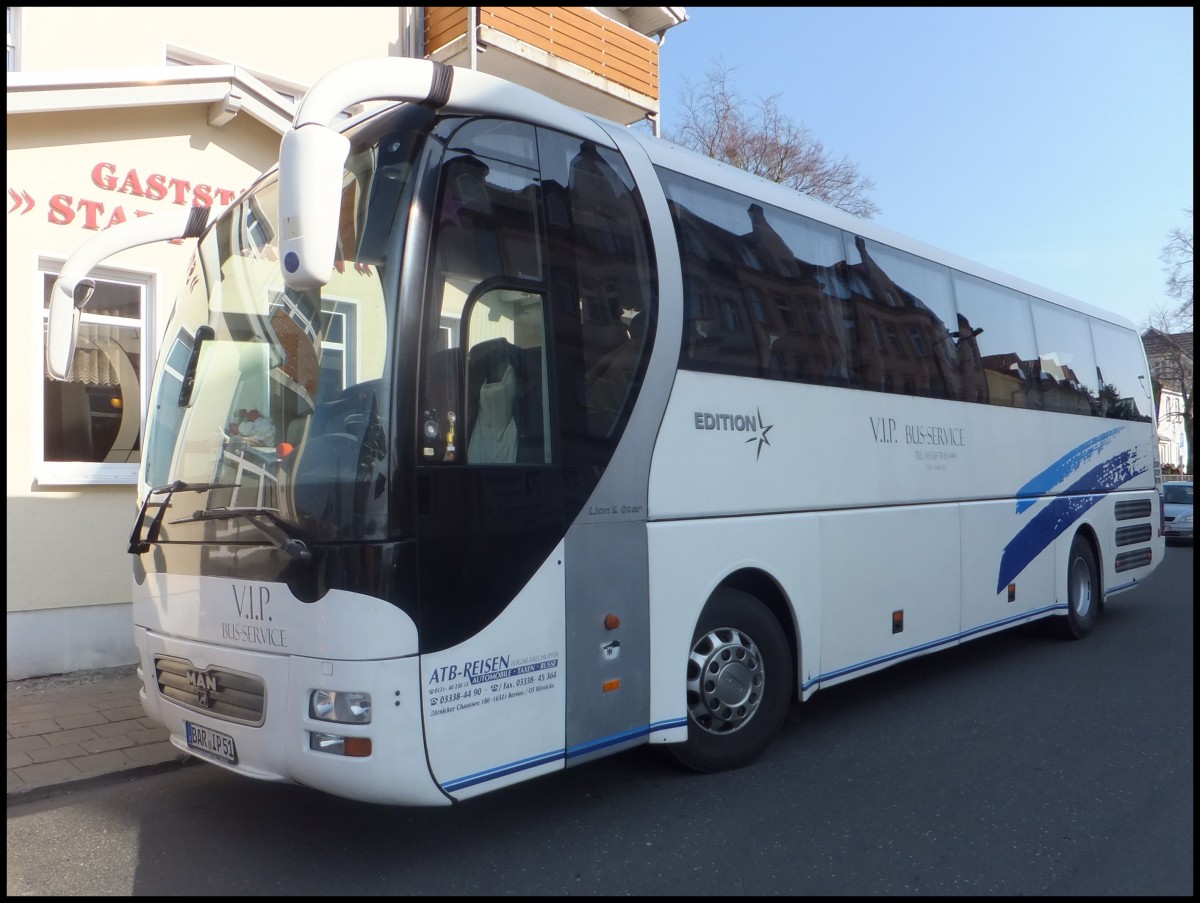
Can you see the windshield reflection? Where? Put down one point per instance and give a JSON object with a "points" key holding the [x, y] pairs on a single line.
{"points": [[277, 398]]}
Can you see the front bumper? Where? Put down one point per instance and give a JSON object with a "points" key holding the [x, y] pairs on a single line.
{"points": [[278, 748]]}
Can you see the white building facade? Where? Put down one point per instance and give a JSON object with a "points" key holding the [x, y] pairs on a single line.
{"points": [[1172, 437]]}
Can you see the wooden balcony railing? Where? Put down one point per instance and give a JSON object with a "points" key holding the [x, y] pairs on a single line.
{"points": [[574, 34]]}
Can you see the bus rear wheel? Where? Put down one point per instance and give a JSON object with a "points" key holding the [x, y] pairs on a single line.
{"points": [[1083, 592], [739, 683]]}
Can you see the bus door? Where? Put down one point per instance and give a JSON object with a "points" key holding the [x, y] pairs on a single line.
{"points": [[540, 286]]}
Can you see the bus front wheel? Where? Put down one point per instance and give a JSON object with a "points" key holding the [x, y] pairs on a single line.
{"points": [[1083, 592], [739, 683]]}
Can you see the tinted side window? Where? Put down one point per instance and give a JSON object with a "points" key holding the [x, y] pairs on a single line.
{"points": [[1121, 373], [602, 278], [764, 289], [1004, 341], [773, 294], [1067, 362], [910, 302]]}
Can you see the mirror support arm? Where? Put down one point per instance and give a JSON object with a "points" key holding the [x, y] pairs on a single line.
{"points": [[63, 328]]}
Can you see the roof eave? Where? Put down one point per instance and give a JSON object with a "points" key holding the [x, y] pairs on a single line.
{"points": [[226, 90]]}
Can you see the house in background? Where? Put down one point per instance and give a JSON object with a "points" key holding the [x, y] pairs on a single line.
{"points": [[1172, 438], [117, 112], [1170, 356]]}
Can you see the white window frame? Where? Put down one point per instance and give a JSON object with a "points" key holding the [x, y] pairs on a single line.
{"points": [[91, 473], [13, 60]]}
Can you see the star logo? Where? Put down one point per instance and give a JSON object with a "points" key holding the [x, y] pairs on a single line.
{"points": [[761, 438]]}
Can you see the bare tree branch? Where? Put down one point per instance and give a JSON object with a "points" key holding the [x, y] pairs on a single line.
{"points": [[1177, 255], [761, 139]]}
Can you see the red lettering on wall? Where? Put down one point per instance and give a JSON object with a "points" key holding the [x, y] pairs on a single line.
{"points": [[181, 188], [102, 176], [92, 211], [61, 210], [132, 184], [65, 208], [156, 186]]}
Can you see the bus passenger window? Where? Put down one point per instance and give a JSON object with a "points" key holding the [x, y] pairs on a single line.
{"points": [[473, 410]]}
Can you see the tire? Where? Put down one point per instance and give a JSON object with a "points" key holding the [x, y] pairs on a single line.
{"points": [[1084, 594], [739, 684]]}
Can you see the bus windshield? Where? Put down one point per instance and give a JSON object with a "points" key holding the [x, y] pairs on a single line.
{"points": [[278, 399]]}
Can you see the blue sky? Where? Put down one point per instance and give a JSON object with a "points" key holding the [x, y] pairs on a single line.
{"points": [[1053, 144]]}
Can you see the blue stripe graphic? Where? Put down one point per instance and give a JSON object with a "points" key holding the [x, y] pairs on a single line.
{"points": [[953, 639], [1053, 520], [499, 771], [1061, 469]]}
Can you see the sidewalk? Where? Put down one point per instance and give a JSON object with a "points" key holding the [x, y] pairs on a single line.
{"points": [[77, 729]]}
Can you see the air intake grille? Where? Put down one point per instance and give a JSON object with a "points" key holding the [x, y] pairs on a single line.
{"points": [[1127, 536], [228, 695], [1138, 558], [1129, 510]]}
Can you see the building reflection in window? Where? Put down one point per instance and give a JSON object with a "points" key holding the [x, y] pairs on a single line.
{"points": [[95, 415]]}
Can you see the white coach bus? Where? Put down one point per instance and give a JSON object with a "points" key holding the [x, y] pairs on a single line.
{"points": [[488, 438]]}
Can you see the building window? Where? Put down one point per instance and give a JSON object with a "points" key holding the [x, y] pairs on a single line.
{"points": [[756, 304], [785, 311], [876, 334], [91, 423], [13, 17], [749, 256], [918, 340]]}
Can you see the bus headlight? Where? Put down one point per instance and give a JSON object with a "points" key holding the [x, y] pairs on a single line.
{"points": [[340, 706]]}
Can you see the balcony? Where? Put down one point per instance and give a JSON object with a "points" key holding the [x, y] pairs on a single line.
{"points": [[572, 54]]}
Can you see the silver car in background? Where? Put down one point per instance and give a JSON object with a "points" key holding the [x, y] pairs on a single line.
{"points": [[1177, 511]]}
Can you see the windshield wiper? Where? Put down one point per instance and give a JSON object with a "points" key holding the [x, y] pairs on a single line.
{"points": [[282, 533], [137, 545], [203, 334]]}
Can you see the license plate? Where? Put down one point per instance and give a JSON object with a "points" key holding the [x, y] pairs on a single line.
{"points": [[211, 743]]}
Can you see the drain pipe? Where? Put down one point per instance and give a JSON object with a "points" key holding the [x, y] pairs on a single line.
{"points": [[472, 24], [656, 118]]}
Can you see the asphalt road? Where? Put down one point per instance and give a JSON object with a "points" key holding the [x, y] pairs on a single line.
{"points": [[1014, 765]]}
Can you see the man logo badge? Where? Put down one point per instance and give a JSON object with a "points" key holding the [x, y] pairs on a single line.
{"points": [[204, 684]]}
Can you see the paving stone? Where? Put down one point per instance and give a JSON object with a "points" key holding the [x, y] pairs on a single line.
{"points": [[106, 744], [54, 753], [41, 775]]}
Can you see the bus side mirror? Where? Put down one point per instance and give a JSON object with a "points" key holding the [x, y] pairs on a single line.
{"points": [[65, 297], [63, 329], [312, 160]]}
